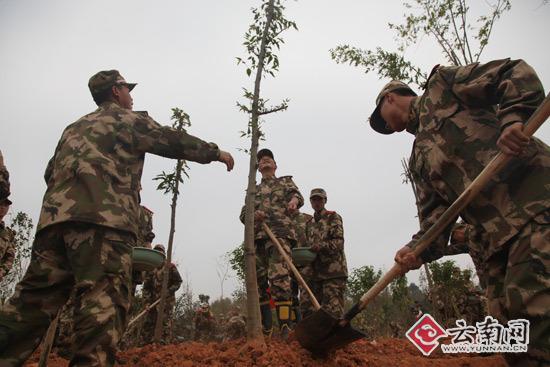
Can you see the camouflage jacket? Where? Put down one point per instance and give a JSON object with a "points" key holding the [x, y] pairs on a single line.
{"points": [[327, 231], [95, 173], [152, 286], [300, 225], [145, 233], [4, 179], [272, 197], [456, 123], [7, 249]]}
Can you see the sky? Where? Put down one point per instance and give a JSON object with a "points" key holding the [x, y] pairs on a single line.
{"points": [[183, 54]]}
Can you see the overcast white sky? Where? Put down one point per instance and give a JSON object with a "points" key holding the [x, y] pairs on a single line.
{"points": [[182, 54]]}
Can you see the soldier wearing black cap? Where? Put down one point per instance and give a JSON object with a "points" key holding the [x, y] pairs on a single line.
{"points": [[465, 116], [277, 198]]}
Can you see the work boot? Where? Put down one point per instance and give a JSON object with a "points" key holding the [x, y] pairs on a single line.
{"points": [[283, 316], [284, 331]]}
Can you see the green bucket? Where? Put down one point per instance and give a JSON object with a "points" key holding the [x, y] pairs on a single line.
{"points": [[302, 256], [146, 259]]}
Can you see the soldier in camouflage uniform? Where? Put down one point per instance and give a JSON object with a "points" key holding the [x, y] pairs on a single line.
{"points": [[464, 117], [277, 198], [88, 225], [325, 236], [7, 241], [152, 288], [204, 322], [300, 222]]}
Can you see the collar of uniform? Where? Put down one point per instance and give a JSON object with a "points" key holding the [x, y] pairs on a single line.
{"points": [[414, 113], [267, 179], [320, 215], [108, 105]]}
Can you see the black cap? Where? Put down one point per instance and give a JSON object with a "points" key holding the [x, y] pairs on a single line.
{"points": [[264, 153], [376, 121]]}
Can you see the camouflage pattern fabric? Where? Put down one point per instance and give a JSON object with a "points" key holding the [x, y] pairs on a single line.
{"points": [[327, 231], [96, 261], [235, 328], [148, 331], [4, 179], [94, 175], [272, 197], [152, 288], [272, 271], [456, 123], [300, 224], [330, 295], [475, 243], [7, 249], [145, 234], [65, 338], [518, 284]]}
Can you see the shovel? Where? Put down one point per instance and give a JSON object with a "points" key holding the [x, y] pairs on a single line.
{"points": [[289, 262], [321, 332]]}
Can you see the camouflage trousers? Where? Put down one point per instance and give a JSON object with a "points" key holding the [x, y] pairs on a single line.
{"points": [[272, 272], [519, 288], [96, 262], [329, 293], [151, 321]]}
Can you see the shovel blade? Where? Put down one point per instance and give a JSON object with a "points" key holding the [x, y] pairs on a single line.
{"points": [[320, 332]]}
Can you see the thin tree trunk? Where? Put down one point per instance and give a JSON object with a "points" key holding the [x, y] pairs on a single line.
{"points": [[254, 328], [166, 271]]}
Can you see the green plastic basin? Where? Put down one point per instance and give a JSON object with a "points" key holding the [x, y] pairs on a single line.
{"points": [[146, 259], [302, 256]]}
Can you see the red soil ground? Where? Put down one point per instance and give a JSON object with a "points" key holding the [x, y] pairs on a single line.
{"points": [[383, 352]]}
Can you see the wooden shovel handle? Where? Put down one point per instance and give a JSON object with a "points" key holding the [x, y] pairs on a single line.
{"points": [[492, 169], [291, 264]]}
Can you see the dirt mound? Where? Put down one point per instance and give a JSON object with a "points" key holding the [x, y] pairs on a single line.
{"points": [[238, 353]]}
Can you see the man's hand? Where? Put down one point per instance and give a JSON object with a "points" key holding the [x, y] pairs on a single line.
{"points": [[292, 206], [405, 257], [259, 216], [512, 140], [227, 159]]}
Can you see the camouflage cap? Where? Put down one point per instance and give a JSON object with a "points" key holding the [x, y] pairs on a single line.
{"points": [[264, 153], [105, 79], [159, 247], [376, 120], [318, 192]]}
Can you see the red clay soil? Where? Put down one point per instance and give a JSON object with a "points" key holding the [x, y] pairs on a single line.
{"points": [[383, 352]]}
